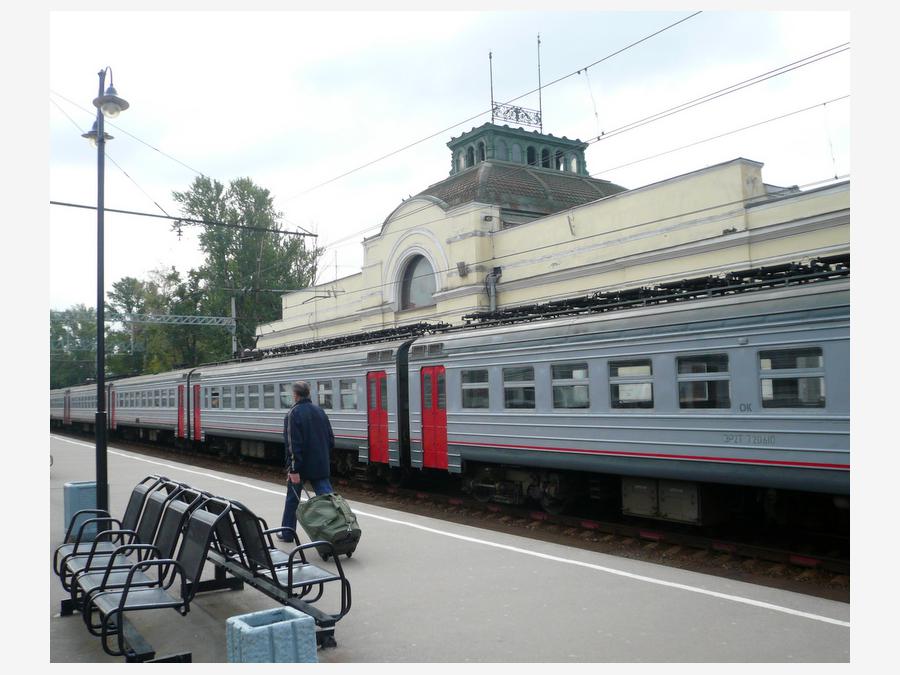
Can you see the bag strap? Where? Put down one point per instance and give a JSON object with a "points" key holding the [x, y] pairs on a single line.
{"points": [[304, 490]]}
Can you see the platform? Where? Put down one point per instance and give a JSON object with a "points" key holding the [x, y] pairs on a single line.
{"points": [[426, 590]]}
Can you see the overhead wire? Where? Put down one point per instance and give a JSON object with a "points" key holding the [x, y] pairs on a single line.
{"points": [[722, 135], [655, 117], [485, 112], [152, 147], [809, 60]]}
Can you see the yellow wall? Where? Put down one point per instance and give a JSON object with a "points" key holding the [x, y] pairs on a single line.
{"points": [[706, 222]]}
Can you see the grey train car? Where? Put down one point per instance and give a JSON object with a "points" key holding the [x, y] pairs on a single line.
{"points": [[749, 390], [242, 405], [652, 404], [150, 404]]}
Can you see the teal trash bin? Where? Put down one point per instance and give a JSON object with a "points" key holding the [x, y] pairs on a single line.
{"points": [[281, 635], [78, 495]]}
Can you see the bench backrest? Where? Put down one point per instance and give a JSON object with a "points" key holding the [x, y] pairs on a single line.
{"points": [[173, 520], [226, 539], [196, 540], [150, 516], [253, 543], [136, 501]]}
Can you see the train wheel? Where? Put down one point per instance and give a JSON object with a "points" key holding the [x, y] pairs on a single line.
{"points": [[554, 505]]}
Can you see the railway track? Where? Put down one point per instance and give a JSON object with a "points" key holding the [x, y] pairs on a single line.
{"points": [[817, 564]]}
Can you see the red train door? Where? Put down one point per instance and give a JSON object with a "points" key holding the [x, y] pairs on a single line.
{"points": [[195, 405], [181, 411], [376, 388], [434, 417]]}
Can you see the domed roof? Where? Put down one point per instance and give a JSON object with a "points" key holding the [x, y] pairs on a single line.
{"points": [[519, 187]]}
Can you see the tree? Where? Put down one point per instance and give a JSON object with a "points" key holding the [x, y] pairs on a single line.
{"points": [[73, 340], [243, 263]]}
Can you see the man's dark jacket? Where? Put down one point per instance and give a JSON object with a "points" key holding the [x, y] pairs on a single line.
{"points": [[308, 439]]}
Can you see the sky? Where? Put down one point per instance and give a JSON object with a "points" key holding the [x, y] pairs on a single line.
{"points": [[294, 99]]}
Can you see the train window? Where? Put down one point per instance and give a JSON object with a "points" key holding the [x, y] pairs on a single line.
{"points": [[287, 395], [268, 396], [570, 386], [441, 390], [239, 396], [426, 391], [172, 401], [143, 399], [226, 397], [348, 394], [475, 390], [703, 381], [253, 396], [214, 399], [206, 397], [373, 400], [324, 394], [384, 396], [792, 378], [631, 384], [518, 387]]}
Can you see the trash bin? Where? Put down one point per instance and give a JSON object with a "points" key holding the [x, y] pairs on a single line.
{"points": [[281, 635], [78, 495]]}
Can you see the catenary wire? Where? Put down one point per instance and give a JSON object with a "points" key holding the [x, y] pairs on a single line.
{"points": [[657, 116], [152, 147], [485, 112]]}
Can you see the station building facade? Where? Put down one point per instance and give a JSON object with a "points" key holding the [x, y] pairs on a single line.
{"points": [[519, 220]]}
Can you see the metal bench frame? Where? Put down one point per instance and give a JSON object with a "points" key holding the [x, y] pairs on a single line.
{"points": [[246, 552], [112, 604]]}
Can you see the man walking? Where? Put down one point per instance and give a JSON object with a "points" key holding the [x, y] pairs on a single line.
{"points": [[308, 440]]}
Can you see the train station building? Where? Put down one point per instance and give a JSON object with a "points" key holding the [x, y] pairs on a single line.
{"points": [[519, 220]]}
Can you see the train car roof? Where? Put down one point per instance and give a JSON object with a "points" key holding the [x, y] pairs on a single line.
{"points": [[801, 296]]}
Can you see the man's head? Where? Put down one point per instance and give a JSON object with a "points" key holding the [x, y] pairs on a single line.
{"points": [[300, 389]]}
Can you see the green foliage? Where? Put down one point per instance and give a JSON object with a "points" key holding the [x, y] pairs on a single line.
{"points": [[73, 339], [238, 263], [241, 263]]}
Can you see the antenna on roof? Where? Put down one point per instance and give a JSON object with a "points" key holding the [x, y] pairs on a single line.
{"points": [[540, 106], [491, 67], [514, 113]]}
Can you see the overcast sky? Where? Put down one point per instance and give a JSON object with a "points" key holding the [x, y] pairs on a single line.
{"points": [[294, 99]]}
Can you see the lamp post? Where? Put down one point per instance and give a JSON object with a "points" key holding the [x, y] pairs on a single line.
{"points": [[110, 105]]}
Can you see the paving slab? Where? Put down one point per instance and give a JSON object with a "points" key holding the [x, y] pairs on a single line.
{"points": [[427, 590]]}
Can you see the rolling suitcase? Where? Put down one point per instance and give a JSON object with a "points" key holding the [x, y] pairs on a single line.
{"points": [[329, 518]]}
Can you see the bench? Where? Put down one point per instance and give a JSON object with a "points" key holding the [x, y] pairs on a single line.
{"points": [[143, 591], [243, 547], [112, 577], [76, 543]]}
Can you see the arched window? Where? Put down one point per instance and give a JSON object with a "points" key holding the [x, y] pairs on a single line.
{"points": [[573, 164], [532, 155], [516, 154], [500, 151], [558, 161], [417, 287], [545, 158], [470, 157], [460, 161], [480, 151]]}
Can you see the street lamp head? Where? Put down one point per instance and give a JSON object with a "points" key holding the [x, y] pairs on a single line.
{"points": [[110, 103], [92, 135]]}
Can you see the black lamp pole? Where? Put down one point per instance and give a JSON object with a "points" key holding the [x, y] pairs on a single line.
{"points": [[110, 104]]}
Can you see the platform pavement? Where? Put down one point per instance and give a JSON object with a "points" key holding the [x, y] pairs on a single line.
{"points": [[426, 590]]}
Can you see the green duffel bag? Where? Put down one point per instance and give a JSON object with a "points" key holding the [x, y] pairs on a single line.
{"points": [[329, 518]]}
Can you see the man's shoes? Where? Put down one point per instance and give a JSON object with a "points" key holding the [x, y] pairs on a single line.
{"points": [[287, 540]]}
